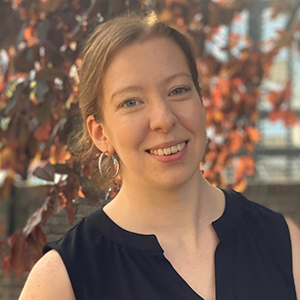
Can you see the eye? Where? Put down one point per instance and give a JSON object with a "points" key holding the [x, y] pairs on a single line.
{"points": [[179, 90], [130, 103]]}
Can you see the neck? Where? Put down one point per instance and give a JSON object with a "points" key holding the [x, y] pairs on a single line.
{"points": [[167, 212]]}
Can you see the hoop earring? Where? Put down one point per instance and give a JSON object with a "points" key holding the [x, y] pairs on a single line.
{"points": [[115, 162]]}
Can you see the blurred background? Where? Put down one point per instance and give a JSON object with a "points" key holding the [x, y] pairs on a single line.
{"points": [[248, 57]]}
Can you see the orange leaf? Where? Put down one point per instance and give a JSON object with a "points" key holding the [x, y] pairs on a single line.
{"points": [[214, 177], [290, 118], [216, 95], [241, 185], [223, 157], [253, 134], [8, 158], [27, 33], [59, 154], [245, 167], [254, 116], [218, 116], [224, 85], [235, 141], [275, 97], [80, 193]]}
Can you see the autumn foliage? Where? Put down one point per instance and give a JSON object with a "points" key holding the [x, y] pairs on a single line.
{"points": [[40, 44]]}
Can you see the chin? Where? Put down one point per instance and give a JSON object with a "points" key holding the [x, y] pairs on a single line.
{"points": [[176, 181]]}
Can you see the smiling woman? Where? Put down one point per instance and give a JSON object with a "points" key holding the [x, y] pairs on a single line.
{"points": [[168, 234], [155, 106]]}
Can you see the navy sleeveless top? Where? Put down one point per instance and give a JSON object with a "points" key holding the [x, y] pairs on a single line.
{"points": [[253, 259]]}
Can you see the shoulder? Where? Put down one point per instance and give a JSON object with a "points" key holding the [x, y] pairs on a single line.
{"points": [[75, 241], [261, 216], [48, 280], [253, 214], [266, 226], [295, 241]]}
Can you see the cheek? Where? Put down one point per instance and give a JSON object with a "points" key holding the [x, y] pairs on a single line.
{"points": [[128, 135], [194, 117]]}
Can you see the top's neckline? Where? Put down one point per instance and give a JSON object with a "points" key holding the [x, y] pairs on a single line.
{"points": [[149, 242], [231, 214]]}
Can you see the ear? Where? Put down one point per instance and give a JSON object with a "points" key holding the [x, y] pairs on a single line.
{"points": [[98, 136]]}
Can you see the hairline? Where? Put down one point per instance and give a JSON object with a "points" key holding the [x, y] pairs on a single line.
{"points": [[143, 38]]}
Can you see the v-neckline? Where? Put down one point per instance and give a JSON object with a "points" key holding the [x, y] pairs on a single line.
{"points": [[183, 286], [149, 243]]}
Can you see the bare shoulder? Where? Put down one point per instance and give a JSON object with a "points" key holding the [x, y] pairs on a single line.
{"points": [[295, 240], [48, 280]]}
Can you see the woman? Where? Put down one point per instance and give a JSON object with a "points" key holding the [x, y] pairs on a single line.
{"points": [[168, 234]]}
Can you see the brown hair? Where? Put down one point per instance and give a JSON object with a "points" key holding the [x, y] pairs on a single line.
{"points": [[106, 40]]}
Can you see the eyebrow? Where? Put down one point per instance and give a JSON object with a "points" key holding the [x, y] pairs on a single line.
{"points": [[134, 88]]}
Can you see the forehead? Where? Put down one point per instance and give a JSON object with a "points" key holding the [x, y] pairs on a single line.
{"points": [[144, 63]]}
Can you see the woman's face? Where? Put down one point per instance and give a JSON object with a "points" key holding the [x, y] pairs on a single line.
{"points": [[151, 108]]}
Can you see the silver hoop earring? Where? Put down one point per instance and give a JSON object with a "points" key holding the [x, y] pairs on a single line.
{"points": [[115, 163]]}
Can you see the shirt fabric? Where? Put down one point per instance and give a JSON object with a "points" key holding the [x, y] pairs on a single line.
{"points": [[253, 260]]}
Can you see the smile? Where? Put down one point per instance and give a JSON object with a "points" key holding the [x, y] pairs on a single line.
{"points": [[169, 150]]}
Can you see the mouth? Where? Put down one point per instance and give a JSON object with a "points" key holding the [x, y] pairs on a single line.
{"points": [[168, 150]]}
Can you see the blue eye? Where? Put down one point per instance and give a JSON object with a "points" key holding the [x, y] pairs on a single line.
{"points": [[129, 103], [179, 91]]}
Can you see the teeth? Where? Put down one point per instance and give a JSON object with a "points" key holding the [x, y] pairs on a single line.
{"points": [[180, 147], [160, 152], [174, 149], [168, 151]]}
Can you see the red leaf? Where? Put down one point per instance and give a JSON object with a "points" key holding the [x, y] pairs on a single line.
{"points": [[36, 241], [5, 255], [2, 230], [42, 133], [276, 115], [287, 92], [19, 245]]}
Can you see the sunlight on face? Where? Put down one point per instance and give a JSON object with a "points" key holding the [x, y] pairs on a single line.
{"points": [[149, 102]]}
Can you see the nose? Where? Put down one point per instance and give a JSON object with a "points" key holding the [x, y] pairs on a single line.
{"points": [[162, 117]]}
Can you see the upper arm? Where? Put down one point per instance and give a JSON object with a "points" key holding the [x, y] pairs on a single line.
{"points": [[295, 240], [48, 280]]}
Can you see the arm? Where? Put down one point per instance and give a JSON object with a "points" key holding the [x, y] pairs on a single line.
{"points": [[295, 239], [48, 280]]}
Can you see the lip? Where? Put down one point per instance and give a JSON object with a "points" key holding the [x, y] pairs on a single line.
{"points": [[167, 145]]}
